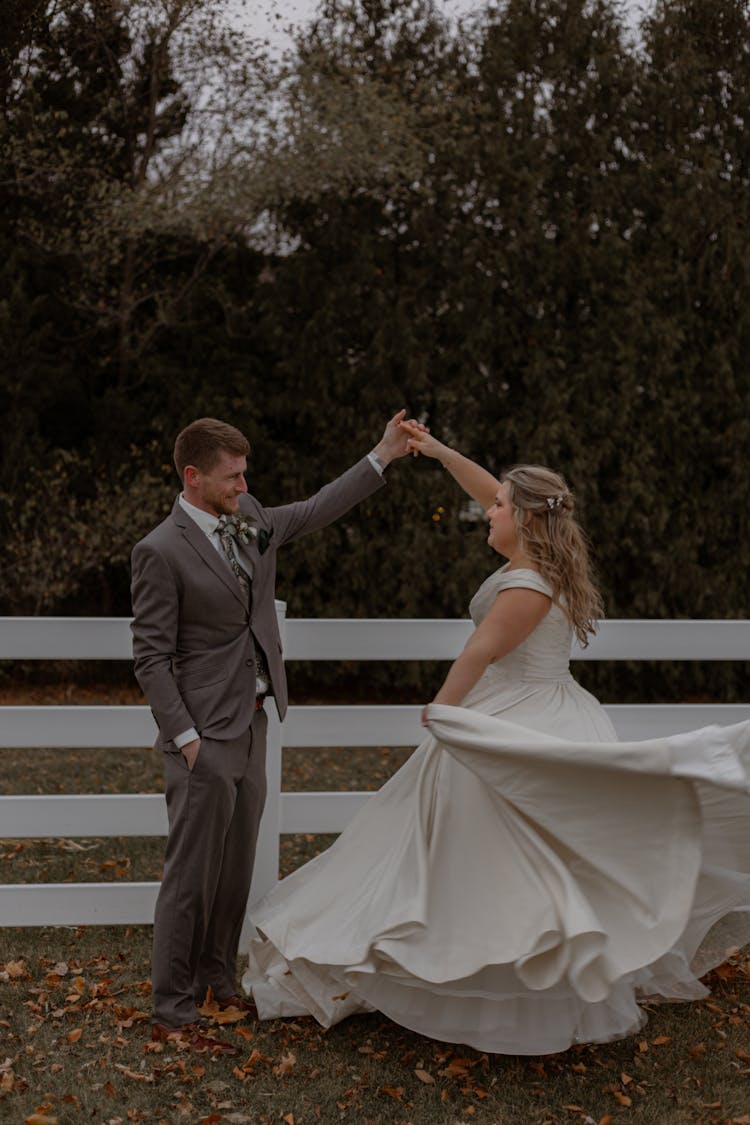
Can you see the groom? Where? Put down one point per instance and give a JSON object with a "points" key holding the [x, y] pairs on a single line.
{"points": [[207, 652]]}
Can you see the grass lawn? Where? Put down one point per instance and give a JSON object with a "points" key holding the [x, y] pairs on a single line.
{"points": [[74, 1010]]}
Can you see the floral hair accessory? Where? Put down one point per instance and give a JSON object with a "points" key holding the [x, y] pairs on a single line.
{"points": [[554, 502]]}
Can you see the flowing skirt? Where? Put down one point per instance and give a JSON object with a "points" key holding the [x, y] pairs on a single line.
{"points": [[518, 891]]}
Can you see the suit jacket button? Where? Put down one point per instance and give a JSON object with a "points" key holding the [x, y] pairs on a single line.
{"points": [[249, 663]]}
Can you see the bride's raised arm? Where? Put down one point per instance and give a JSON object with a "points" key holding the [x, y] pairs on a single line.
{"points": [[474, 480]]}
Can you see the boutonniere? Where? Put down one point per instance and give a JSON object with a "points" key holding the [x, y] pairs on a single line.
{"points": [[243, 527]]}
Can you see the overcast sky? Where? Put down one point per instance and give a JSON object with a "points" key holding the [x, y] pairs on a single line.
{"points": [[270, 19]]}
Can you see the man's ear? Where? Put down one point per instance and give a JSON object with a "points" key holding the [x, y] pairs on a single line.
{"points": [[190, 476]]}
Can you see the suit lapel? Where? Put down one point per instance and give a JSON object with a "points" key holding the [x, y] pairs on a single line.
{"points": [[199, 542]]}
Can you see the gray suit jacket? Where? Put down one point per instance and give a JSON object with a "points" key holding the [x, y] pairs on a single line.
{"points": [[193, 636]]}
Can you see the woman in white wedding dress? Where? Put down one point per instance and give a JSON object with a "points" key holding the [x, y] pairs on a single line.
{"points": [[524, 878]]}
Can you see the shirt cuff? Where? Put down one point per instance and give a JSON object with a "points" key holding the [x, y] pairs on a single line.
{"points": [[376, 463], [181, 740]]}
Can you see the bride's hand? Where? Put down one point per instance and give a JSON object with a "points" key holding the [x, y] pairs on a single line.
{"points": [[422, 441]]}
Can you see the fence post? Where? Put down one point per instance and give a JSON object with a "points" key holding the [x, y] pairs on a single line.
{"points": [[266, 871]]}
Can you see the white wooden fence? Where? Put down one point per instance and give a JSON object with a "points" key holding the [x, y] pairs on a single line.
{"points": [[100, 815]]}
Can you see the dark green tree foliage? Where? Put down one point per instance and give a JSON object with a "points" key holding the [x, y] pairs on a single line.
{"points": [[530, 231]]}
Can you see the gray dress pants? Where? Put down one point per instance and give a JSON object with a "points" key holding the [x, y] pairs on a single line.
{"points": [[214, 814]]}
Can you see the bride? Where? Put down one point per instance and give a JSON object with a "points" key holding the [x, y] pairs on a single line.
{"points": [[524, 878]]}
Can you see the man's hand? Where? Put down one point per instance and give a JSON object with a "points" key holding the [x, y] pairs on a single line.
{"points": [[394, 442], [190, 752]]}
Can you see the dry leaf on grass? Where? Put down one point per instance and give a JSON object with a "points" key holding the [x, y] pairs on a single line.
{"points": [[424, 1076], [285, 1064], [13, 970], [136, 1075]]}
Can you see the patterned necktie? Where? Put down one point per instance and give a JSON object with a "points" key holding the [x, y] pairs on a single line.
{"points": [[226, 538]]}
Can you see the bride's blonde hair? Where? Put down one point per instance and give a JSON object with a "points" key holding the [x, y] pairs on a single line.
{"points": [[551, 538]]}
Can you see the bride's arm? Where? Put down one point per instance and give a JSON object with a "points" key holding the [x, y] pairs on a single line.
{"points": [[475, 480], [513, 617]]}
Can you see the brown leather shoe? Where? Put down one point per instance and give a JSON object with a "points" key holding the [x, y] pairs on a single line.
{"points": [[193, 1037]]}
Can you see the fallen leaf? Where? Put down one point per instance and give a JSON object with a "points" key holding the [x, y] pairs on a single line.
{"points": [[244, 1032], [457, 1068], [743, 1056], [136, 1075], [74, 1035], [697, 1051], [623, 1099], [227, 1015], [424, 1076], [15, 969], [395, 1092], [40, 1119], [606, 1120], [661, 1040], [289, 1118], [285, 1065]]}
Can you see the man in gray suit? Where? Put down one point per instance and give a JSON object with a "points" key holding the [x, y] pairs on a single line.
{"points": [[207, 651]]}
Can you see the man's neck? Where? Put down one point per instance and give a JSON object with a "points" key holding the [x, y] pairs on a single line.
{"points": [[201, 505]]}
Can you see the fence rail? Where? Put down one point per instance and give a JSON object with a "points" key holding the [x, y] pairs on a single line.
{"points": [[110, 727]]}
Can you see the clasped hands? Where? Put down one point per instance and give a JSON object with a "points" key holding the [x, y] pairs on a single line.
{"points": [[397, 439]]}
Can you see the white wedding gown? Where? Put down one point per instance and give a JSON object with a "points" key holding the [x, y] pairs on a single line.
{"points": [[524, 878]]}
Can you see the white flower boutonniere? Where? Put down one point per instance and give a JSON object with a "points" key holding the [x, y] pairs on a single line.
{"points": [[243, 527]]}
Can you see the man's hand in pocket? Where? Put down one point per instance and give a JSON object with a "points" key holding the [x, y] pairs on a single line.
{"points": [[190, 752]]}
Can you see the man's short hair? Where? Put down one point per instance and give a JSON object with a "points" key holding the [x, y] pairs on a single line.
{"points": [[201, 444]]}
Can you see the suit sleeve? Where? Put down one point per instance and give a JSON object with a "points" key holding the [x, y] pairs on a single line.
{"points": [[154, 626], [291, 521]]}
